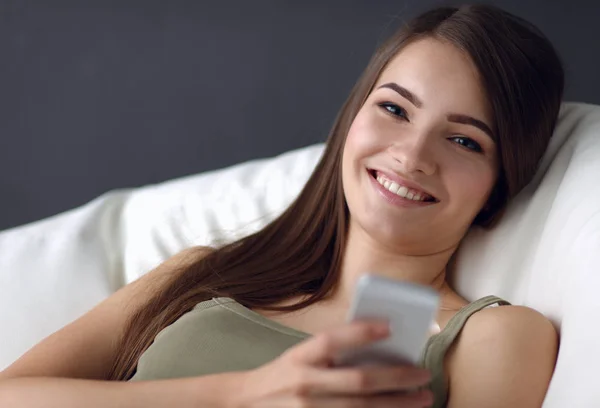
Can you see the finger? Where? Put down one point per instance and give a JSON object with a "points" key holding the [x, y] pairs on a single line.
{"points": [[322, 348], [419, 399], [366, 380]]}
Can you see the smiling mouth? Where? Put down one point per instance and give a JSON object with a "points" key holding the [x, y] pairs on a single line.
{"points": [[402, 191]]}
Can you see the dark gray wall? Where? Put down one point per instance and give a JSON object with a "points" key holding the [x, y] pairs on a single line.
{"points": [[97, 95]]}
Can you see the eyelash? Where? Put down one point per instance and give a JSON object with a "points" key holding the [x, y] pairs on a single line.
{"points": [[387, 105]]}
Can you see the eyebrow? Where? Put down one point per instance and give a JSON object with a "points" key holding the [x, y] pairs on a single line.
{"points": [[468, 120], [411, 97], [453, 117]]}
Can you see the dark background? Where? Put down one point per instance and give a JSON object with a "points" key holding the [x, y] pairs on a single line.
{"points": [[98, 95]]}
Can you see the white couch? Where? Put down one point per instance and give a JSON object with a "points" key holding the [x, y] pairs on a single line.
{"points": [[544, 254]]}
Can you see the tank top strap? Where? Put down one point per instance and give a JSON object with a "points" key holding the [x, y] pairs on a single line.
{"points": [[437, 346]]}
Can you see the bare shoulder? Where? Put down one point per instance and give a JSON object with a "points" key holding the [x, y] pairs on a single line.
{"points": [[172, 265], [509, 323], [504, 357], [187, 256], [139, 290]]}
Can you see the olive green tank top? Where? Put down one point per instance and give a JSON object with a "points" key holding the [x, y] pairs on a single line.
{"points": [[221, 335]]}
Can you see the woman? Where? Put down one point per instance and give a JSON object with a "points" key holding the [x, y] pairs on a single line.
{"points": [[444, 127]]}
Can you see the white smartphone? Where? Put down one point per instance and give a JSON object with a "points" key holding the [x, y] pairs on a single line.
{"points": [[409, 308]]}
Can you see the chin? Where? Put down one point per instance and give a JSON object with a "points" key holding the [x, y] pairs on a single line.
{"points": [[395, 234]]}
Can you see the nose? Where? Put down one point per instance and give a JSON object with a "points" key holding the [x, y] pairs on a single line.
{"points": [[413, 154]]}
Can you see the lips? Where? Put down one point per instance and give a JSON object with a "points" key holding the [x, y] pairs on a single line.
{"points": [[392, 177]]}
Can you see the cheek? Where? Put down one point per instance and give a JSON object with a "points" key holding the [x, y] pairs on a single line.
{"points": [[473, 185], [358, 146], [363, 136], [356, 134]]}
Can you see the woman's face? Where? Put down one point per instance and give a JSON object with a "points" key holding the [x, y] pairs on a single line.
{"points": [[426, 125]]}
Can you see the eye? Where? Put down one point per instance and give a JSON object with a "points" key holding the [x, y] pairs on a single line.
{"points": [[394, 110], [468, 143]]}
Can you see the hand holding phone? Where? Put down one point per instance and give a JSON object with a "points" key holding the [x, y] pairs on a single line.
{"points": [[410, 310]]}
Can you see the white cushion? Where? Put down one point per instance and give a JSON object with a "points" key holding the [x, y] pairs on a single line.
{"points": [[54, 270], [544, 253]]}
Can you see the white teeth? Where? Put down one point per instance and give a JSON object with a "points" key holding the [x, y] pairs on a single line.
{"points": [[402, 191]]}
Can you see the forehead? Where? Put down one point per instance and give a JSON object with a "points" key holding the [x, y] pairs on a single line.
{"points": [[442, 76]]}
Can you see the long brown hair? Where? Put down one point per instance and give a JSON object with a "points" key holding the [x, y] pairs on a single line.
{"points": [[300, 252]]}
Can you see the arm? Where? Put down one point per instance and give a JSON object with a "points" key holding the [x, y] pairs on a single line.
{"points": [[504, 358], [67, 368], [49, 392], [86, 348]]}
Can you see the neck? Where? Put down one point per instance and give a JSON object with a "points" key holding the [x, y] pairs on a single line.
{"points": [[363, 254]]}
